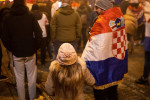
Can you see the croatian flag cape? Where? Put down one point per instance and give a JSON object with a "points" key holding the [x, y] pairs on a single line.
{"points": [[106, 51]]}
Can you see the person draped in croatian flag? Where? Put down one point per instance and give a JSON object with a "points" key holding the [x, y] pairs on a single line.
{"points": [[106, 51], [144, 78]]}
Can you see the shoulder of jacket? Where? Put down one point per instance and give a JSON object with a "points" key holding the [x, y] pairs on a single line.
{"points": [[53, 65], [82, 62], [56, 13]]}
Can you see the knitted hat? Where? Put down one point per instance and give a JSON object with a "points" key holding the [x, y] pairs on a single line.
{"points": [[66, 54], [104, 4]]}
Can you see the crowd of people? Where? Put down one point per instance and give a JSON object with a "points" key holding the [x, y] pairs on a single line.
{"points": [[107, 34]]}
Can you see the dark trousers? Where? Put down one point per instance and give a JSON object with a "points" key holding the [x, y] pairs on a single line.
{"points": [[43, 50], [84, 37], [49, 49], [106, 94], [141, 32], [57, 44], [147, 64]]}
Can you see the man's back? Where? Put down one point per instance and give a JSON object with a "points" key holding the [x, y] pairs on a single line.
{"points": [[106, 52], [65, 24], [22, 29]]}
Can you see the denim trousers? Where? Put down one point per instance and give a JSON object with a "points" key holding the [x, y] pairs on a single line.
{"points": [[20, 64]]}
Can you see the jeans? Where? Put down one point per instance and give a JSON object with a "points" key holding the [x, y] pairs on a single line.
{"points": [[20, 64]]}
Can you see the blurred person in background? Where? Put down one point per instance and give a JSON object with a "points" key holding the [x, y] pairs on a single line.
{"points": [[133, 17], [84, 11], [141, 24], [144, 78], [141, 29], [43, 22], [45, 7]]}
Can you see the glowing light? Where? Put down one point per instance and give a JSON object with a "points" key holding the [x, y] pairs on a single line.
{"points": [[59, 4]]}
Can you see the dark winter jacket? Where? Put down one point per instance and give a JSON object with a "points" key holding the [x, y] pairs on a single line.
{"points": [[66, 25], [22, 34], [3, 13]]}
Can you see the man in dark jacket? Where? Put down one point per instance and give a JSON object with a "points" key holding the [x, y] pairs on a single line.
{"points": [[22, 36]]}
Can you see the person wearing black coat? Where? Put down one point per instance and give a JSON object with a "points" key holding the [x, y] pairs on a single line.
{"points": [[22, 36]]}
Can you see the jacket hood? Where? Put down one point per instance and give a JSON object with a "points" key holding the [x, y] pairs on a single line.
{"points": [[66, 10], [37, 14], [19, 10]]}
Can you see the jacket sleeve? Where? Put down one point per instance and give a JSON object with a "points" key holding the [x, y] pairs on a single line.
{"points": [[88, 78], [78, 26], [37, 33], [53, 27], [5, 36], [49, 85]]}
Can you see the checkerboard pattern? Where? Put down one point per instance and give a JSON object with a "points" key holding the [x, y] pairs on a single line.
{"points": [[119, 44]]}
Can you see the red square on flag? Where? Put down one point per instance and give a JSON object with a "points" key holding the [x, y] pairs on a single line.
{"points": [[118, 49]]}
